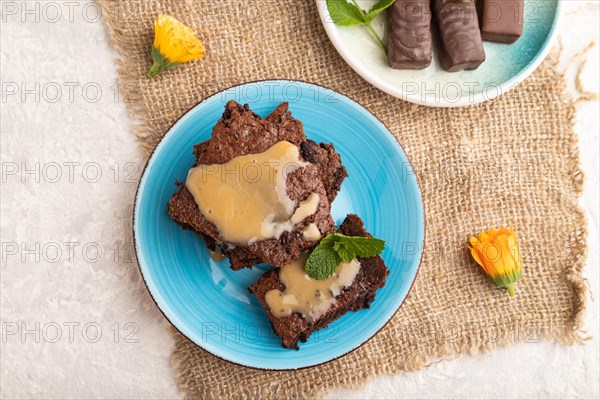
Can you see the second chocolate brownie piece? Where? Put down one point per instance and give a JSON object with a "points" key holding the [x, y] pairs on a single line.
{"points": [[295, 328]]}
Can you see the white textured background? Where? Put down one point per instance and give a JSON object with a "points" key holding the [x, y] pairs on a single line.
{"points": [[78, 323]]}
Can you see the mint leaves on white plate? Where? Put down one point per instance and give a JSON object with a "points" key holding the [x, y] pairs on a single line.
{"points": [[344, 13]]}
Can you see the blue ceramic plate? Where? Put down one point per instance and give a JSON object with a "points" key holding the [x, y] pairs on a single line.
{"points": [[505, 65], [207, 301]]}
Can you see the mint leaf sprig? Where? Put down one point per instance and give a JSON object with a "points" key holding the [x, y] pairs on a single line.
{"points": [[337, 248], [345, 14]]}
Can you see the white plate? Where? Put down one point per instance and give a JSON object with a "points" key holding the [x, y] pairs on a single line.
{"points": [[504, 68]]}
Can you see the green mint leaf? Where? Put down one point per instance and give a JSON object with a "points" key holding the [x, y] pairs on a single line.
{"points": [[344, 14], [346, 254], [377, 9], [328, 241], [337, 248], [322, 262], [350, 247]]}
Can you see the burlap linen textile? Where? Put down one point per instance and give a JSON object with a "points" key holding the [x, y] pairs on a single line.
{"points": [[512, 161]]}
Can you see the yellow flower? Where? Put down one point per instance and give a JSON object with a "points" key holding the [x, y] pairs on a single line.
{"points": [[497, 251], [174, 43]]}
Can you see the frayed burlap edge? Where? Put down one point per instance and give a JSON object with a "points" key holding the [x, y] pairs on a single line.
{"points": [[137, 111]]}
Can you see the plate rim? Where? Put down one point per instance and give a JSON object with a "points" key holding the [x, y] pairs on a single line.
{"points": [[465, 101], [141, 182]]}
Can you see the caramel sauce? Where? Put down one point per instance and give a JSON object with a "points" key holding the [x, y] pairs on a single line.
{"points": [[246, 198], [311, 233], [217, 256], [305, 295]]}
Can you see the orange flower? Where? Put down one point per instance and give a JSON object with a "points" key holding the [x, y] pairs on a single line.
{"points": [[497, 251], [174, 44]]}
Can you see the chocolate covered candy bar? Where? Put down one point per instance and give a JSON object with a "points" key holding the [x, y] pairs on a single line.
{"points": [[409, 34], [460, 45], [502, 20]]}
